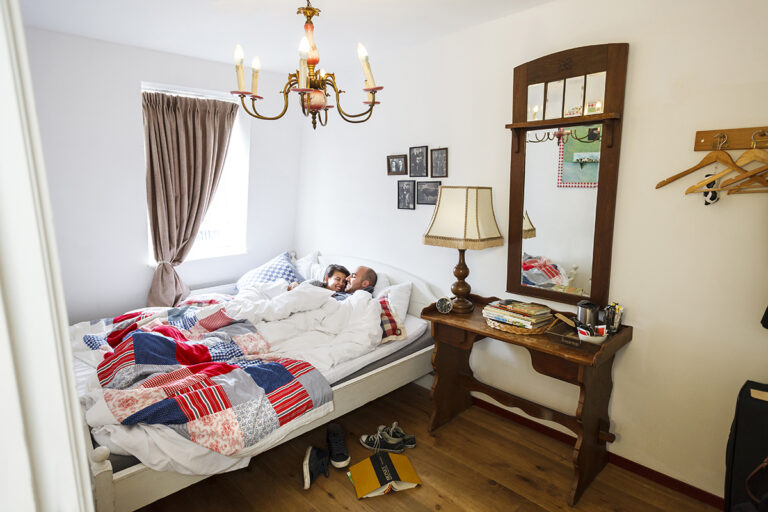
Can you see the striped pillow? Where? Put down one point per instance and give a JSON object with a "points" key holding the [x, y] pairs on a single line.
{"points": [[391, 327]]}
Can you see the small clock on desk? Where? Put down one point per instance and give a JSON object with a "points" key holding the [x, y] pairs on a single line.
{"points": [[444, 305]]}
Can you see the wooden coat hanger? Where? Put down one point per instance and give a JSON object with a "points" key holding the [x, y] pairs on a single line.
{"points": [[712, 157], [716, 156]]}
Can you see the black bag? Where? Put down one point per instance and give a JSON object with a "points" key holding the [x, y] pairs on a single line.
{"points": [[746, 471]]}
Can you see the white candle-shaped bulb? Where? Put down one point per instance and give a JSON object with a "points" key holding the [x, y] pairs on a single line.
{"points": [[362, 54], [304, 48], [255, 67], [239, 68], [322, 73], [303, 53]]}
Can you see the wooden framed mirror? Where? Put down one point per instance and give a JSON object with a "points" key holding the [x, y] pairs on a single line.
{"points": [[566, 136]]}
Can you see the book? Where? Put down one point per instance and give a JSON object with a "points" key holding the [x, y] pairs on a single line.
{"points": [[513, 321], [522, 308], [502, 311], [382, 473]]}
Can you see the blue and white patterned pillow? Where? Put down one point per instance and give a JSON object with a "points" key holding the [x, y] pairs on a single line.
{"points": [[279, 267]]}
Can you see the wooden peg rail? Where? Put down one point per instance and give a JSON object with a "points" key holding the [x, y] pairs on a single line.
{"points": [[738, 138]]}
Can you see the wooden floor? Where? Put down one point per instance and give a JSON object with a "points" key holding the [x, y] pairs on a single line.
{"points": [[478, 461]]}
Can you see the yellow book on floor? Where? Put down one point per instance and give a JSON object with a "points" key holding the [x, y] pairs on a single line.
{"points": [[381, 473]]}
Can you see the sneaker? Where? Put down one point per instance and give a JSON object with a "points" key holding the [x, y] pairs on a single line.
{"points": [[382, 442], [396, 432], [337, 445], [315, 463]]}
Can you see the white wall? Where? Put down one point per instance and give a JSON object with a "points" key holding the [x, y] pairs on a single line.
{"points": [[691, 277], [88, 95]]}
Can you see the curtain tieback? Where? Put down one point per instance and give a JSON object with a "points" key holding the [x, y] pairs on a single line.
{"points": [[164, 261]]}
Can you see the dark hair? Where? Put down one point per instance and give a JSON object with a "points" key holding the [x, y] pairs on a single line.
{"points": [[336, 268], [370, 276]]}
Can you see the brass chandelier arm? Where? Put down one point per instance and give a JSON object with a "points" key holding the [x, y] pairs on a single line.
{"points": [[292, 82], [323, 119], [350, 118]]}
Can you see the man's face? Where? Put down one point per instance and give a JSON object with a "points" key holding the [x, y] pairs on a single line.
{"points": [[336, 282], [355, 280]]}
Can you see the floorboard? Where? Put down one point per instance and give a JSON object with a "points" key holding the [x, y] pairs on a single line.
{"points": [[477, 462]]}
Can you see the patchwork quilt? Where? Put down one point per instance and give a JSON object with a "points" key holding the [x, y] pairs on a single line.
{"points": [[223, 372]]}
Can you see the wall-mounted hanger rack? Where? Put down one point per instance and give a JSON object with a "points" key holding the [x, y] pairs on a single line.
{"points": [[737, 138], [716, 142]]}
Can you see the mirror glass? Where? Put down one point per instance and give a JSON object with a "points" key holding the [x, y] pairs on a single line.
{"points": [[559, 203]]}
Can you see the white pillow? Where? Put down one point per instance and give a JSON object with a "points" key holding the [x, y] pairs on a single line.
{"points": [[382, 282], [399, 298], [309, 267]]}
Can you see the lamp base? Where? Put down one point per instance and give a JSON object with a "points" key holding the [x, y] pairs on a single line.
{"points": [[461, 304]]}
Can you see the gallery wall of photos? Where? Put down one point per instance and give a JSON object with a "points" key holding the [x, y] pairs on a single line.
{"points": [[415, 164]]}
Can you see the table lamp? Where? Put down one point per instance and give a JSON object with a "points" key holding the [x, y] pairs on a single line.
{"points": [[463, 219]]}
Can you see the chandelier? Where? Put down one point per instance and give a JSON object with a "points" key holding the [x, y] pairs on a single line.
{"points": [[309, 82]]}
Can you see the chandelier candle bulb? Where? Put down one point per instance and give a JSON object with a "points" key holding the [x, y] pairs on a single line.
{"points": [[255, 66], [362, 54], [303, 54], [239, 68]]}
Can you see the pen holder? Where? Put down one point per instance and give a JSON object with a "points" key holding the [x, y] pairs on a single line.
{"points": [[612, 317]]}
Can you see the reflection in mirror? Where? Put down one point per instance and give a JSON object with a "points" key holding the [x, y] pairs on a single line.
{"points": [[560, 199]]}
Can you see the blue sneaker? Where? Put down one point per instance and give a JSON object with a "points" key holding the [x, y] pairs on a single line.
{"points": [[337, 445], [315, 463]]}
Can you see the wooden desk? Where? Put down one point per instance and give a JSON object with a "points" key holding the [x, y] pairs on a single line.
{"points": [[587, 366]]}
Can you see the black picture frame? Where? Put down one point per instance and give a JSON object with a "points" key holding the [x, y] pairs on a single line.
{"points": [[427, 191], [397, 165], [438, 163], [417, 161], [406, 194]]}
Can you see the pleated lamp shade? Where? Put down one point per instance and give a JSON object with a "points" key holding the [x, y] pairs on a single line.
{"points": [[464, 219]]}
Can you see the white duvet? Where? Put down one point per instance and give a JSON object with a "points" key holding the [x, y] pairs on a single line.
{"points": [[306, 323]]}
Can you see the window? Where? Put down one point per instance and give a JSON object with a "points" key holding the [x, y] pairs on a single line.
{"points": [[223, 230]]}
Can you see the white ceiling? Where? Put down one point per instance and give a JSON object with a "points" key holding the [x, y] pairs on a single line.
{"points": [[209, 29]]}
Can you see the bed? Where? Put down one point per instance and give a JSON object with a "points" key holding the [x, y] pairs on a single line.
{"points": [[125, 484]]}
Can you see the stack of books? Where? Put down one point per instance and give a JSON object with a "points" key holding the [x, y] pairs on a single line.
{"points": [[519, 314]]}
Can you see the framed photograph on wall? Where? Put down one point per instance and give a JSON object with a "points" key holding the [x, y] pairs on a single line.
{"points": [[406, 194], [397, 165], [426, 192], [417, 157], [439, 163]]}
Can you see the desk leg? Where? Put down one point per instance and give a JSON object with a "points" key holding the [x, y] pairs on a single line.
{"points": [[449, 398], [590, 454]]}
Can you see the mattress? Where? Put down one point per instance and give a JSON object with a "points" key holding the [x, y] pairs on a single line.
{"points": [[417, 338]]}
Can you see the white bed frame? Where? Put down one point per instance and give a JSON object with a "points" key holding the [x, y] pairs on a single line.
{"points": [[138, 485]]}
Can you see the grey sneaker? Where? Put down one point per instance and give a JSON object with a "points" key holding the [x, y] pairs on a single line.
{"points": [[315, 463], [382, 442], [396, 432]]}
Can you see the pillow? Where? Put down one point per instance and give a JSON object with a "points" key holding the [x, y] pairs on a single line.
{"points": [[309, 267], [279, 267], [399, 296], [391, 327], [382, 282]]}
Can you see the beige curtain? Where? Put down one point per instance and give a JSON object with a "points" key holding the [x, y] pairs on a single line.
{"points": [[186, 142]]}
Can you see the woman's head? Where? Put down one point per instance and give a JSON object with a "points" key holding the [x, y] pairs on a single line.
{"points": [[336, 277]]}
